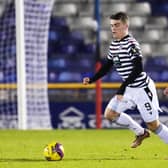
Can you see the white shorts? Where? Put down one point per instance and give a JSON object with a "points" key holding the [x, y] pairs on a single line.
{"points": [[145, 99]]}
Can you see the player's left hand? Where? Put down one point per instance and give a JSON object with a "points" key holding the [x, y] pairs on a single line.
{"points": [[119, 97]]}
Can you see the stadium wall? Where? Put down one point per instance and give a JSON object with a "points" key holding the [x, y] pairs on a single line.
{"points": [[80, 113]]}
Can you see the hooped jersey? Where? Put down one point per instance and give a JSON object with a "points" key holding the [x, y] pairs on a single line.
{"points": [[122, 53]]}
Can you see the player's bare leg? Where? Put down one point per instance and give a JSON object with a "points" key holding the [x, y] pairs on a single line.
{"points": [[127, 121]]}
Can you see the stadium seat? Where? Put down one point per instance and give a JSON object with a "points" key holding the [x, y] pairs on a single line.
{"points": [[159, 8], [67, 76], [86, 9], [148, 36], [2, 5], [84, 23], [105, 23], [115, 77], [68, 9], [54, 36], [89, 35], [158, 22], [74, 28], [164, 75], [1, 77], [164, 37], [156, 65], [155, 75], [52, 76], [137, 22], [146, 49], [105, 36], [68, 48], [110, 8], [77, 36], [160, 49], [139, 9], [151, 36], [89, 48], [58, 22], [57, 64]]}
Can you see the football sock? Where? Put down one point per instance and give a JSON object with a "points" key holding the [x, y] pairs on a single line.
{"points": [[162, 132], [125, 120]]}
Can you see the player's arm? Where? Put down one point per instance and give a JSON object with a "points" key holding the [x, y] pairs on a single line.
{"points": [[101, 72], [137, 69]]}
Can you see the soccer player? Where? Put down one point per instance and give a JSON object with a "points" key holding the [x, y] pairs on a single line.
{"points": [[165, 91], [137, 89]]}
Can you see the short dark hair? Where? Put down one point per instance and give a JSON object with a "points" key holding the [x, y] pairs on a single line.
{"points": [[120, 16]]}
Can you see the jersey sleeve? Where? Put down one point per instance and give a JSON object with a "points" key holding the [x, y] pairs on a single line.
{"points": [[102, 71], [109, 55], [137, 62]]}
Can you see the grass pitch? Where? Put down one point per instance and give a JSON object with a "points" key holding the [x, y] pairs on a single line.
{"points": [[83, 149]]}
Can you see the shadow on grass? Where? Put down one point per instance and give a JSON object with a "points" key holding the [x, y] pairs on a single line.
{"points": [[20, 160], [77, 159], [65, 159]]}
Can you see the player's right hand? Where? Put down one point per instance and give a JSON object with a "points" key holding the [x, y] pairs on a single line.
{"points": [[166, 91], [86, 80]]}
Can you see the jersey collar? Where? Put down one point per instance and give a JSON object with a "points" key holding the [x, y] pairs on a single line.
{"points": [[123, 38]]}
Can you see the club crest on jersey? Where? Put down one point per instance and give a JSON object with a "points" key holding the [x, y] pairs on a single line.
{"points": [[116, 60]]}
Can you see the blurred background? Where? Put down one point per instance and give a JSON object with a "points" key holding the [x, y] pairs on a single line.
{"points": [[71, 52], [71, 55], [72, 37]]}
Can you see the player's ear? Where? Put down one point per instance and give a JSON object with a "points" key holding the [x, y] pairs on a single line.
{"points": [[127, 25]]}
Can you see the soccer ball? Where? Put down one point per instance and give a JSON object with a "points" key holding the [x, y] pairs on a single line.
{"points": [[54, 151]]}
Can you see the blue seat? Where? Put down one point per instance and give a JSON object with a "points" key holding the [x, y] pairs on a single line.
{"points": [[159, 60], [73, 38], [154, 75], [70, 77], [52, 76], [68, 48], [10, 77], [114, 77], [57, 63], [164, 76], [1, 77], [89, 48], [54, 36], [86, 62], [76, 37], [106, 78], [56, 22], [159, 7]]}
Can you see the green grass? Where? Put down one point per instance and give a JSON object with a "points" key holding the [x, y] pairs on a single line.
{"points": [[83, 149]]}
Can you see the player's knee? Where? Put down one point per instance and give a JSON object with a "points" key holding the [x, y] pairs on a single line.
{"points": [[153, 125], [110, 114]]}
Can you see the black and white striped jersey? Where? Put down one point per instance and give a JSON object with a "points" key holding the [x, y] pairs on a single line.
{"points": [[122, 53]]}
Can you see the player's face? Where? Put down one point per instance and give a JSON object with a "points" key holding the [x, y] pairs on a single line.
{"points": [[119, 29]]}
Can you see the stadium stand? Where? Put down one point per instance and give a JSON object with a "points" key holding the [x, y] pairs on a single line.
{"points": [[72, 36]]}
